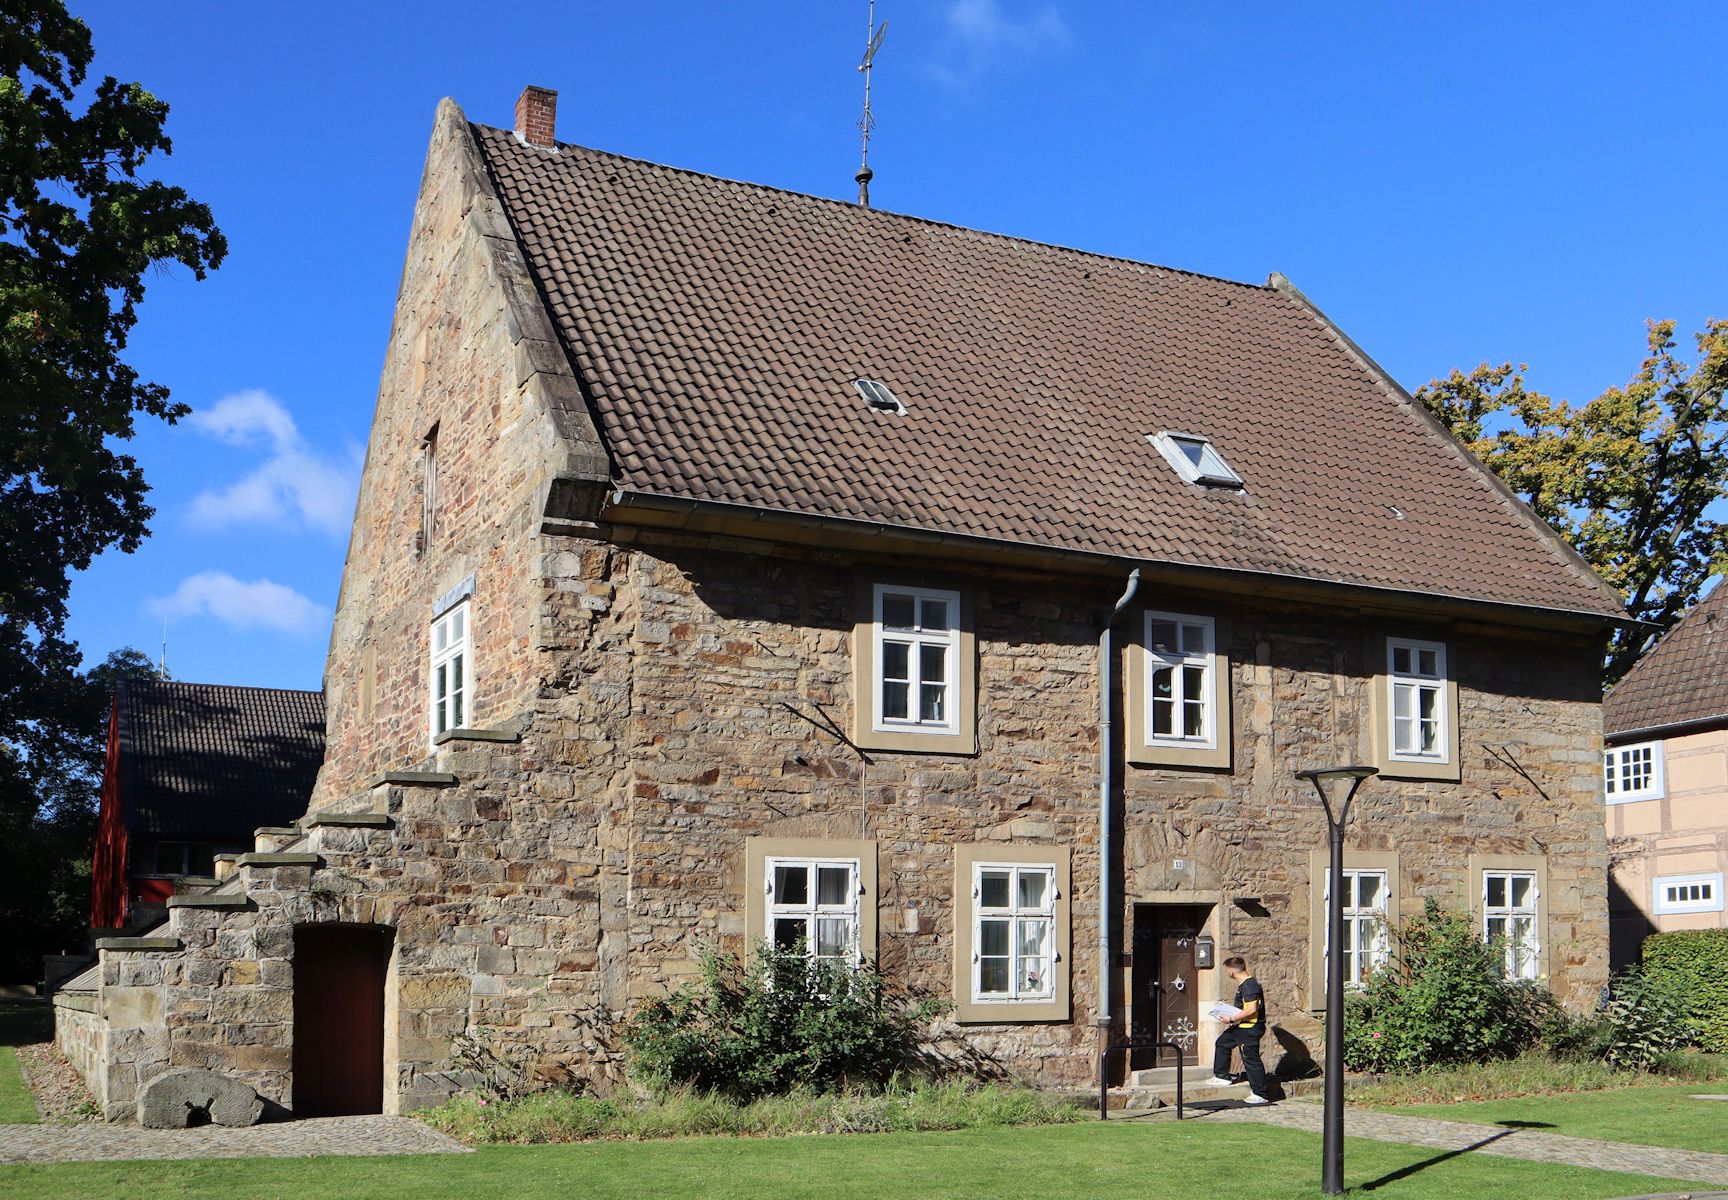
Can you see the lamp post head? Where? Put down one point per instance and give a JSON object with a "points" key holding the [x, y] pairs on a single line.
{"points": [[1320, 774]]}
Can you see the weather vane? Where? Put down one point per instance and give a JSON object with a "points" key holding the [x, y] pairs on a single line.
{"points": [[872, 43]]}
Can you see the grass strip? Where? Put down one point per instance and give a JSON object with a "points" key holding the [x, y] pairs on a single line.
{"points": [[923, 1107], [1218, 1161], [1534, 1074], [17, 1105]]}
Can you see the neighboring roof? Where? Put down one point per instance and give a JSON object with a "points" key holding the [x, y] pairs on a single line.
{"points": [[719, 327], [1681, 680], [209, 762]]}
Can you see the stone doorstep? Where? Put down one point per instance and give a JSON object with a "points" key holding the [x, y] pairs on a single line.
{"points": [[340, 820], [207, 901], [413, 779], [280, 859], [1151, 1094], [476, 735], [138, 943]]}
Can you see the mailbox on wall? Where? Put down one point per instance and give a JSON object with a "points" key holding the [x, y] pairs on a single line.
{"points": [[1203, 951]]}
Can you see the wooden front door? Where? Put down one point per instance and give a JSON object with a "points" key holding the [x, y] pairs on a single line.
{"points": [[339, 973], [1164, 1001]]}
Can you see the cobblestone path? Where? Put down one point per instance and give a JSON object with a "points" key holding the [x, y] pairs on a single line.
{"points": [[317, 1137], [1535, 1145]]}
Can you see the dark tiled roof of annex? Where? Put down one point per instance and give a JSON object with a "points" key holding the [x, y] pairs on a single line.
{"points": [[1682, 679], [209, 762], [719, 327]]}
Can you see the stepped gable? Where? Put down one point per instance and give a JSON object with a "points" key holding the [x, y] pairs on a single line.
{"points": [[718, 327], [214, 760], [1682, 680]]}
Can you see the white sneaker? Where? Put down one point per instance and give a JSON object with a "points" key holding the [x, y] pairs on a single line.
{"points": [[1251, 1098], [1218, 1081]]}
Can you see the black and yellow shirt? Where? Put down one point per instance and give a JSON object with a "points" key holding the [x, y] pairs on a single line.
{"points": [[1250, 989]]}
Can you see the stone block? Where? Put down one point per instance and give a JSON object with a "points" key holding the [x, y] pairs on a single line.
{"points": [[133, 1007], [186, 1096]]}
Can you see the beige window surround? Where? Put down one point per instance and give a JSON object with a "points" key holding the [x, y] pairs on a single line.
{"points": [[1379, 731], [968, 1009], [757, 853], [1319, 862], [961, 734], [1142, 748], [1534, 864]]}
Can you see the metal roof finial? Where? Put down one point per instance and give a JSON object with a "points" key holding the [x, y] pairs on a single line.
{"points": [[872, 43]]}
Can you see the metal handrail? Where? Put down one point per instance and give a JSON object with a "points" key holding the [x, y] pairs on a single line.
{"points": [[1134, 1044]]}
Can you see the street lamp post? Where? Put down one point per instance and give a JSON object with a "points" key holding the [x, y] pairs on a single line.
{"points": [[1332, 1151]]}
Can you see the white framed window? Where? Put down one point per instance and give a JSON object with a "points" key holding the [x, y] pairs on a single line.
{"points": [[1687, 893], [813, 907], [1194, 458], [1416, 681], [452, 679], [1632, 772], [1014, 953], [1367, 938], [1180, 662], [916, 636], [1509, 912]]}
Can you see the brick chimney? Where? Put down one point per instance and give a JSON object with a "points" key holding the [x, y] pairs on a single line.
{"points": [[537, 116]]}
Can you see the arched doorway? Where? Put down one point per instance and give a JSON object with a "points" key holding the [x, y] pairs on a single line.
{"points": [[339, 979]]}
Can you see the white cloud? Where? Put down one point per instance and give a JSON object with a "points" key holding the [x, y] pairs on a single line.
{"points": [[983, 25], [260, 604], [296, 482]]}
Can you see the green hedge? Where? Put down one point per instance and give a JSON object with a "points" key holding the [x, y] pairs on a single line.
{"points": [[1697, 960]]}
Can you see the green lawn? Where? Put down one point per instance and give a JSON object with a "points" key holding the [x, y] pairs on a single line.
{"points": [[16, 1105], [1650, 1116], [1155, 1158], [20, 1021]]}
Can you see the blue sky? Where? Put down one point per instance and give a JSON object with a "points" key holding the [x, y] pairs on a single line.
{"points": [[1450, 182]]}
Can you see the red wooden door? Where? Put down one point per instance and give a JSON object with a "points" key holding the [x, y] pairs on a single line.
{"points": [[339, 1019]]}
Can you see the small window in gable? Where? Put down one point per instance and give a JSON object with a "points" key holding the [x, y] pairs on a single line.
{"points": [[1195, 458], [1632, 772], [1417, 679], [877, 395]]}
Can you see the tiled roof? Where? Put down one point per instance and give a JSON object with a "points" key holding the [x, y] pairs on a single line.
{"points": [[211, 762], [1682, 680], [719, 326]]}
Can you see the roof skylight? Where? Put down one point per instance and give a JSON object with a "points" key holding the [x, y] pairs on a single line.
{"points": [[1195, 458], [877, 396]]}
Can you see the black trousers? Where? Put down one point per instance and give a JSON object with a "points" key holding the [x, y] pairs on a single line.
{"points": [[1248, 1042]]}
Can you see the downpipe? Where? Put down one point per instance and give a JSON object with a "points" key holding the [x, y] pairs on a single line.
{"points": [[1106, 813]]}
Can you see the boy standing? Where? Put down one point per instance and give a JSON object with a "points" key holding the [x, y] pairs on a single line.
{"points": [[1244, 1033]]}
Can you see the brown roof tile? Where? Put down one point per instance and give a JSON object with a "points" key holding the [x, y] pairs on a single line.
{"points": [[1682, 680], [719, 326]]}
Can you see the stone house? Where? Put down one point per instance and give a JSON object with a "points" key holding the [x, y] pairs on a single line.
{"points": [[1665, 767], [732, 564]]}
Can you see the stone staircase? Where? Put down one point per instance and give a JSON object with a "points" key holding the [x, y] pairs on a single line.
{"points": [[210, 984]]}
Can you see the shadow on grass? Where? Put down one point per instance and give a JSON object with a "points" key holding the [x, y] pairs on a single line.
{"points": [[1416, 1167]]}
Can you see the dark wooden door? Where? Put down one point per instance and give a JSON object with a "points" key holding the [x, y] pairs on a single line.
{"points": [[1164, 993], [339, 1019]]}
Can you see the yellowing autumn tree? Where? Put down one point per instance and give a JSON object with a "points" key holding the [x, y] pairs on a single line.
{"points": [[1629, 478]]}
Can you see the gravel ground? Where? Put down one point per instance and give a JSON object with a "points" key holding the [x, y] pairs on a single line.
{"points": [[60, 1094]]}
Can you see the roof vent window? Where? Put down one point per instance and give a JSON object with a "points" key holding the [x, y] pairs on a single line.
{"points": [[1195, 459], [877, 396]]}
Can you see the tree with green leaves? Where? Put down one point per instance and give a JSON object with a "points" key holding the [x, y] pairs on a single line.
{"points": [[81, 228], [1629, 478]]}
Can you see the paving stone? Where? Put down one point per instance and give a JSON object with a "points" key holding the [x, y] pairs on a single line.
{"points": [[1532, 1145], [321, 1137]]}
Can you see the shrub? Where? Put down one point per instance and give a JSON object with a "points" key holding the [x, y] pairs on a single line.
{"points": [[1442, 999], [778, 1022], [1696, 960], [1645, 1018]]}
